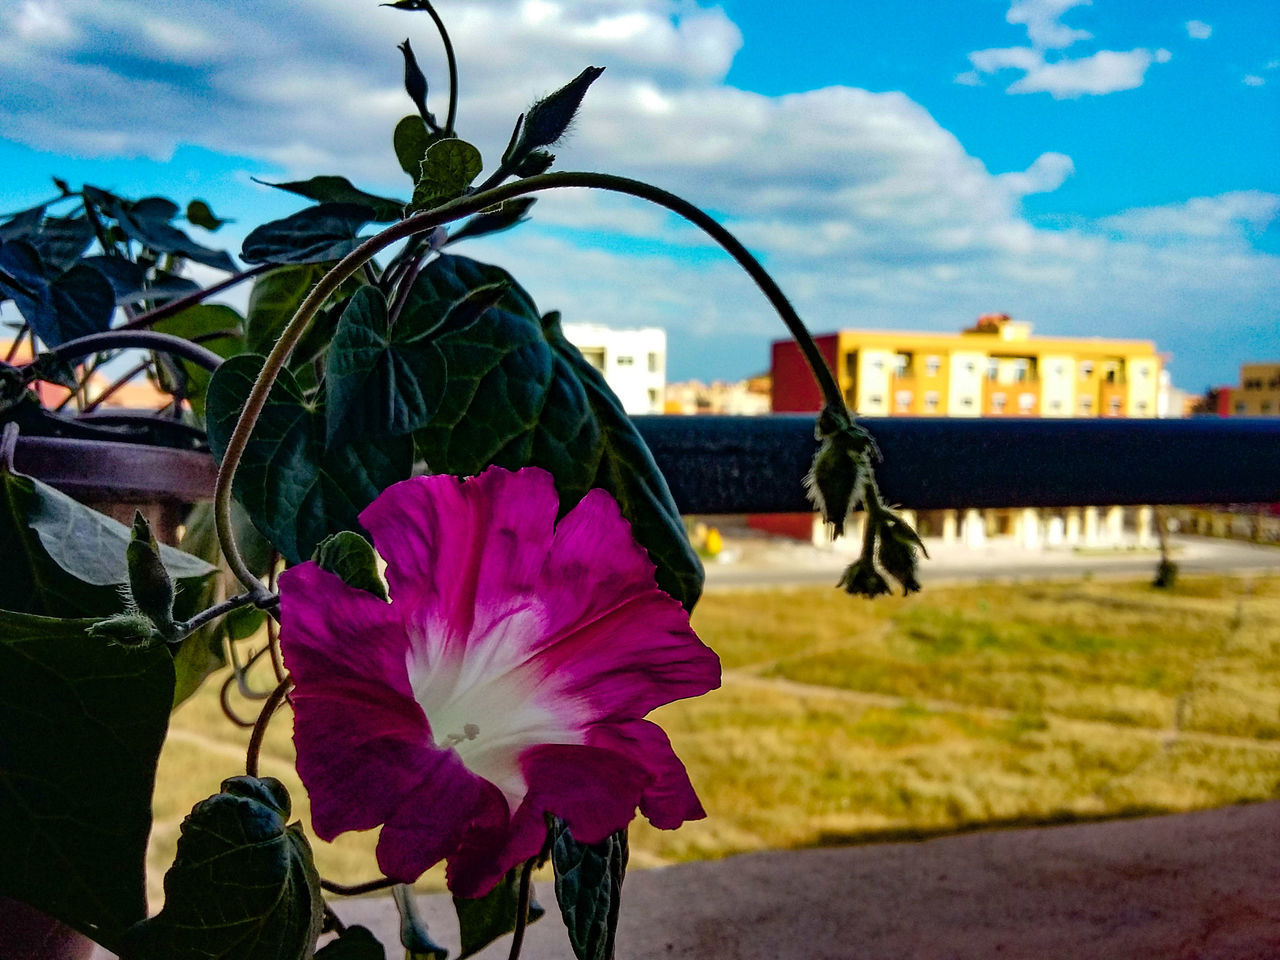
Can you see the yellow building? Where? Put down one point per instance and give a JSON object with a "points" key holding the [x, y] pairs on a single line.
{"points": [[1259, 392], [995, 368]]}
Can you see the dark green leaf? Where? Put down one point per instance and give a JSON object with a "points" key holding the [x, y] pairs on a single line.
{"points": [[51, 368], [63, 240], [379, 381], [341, 190], [81, 725], [411, 140], [350, 557], [485, 919], [198, 213], [447, 170], [63, 558], [509, 399], [273, 301], [204, 321], [243, 886], [354, 943], [494, 221], [589, 889], [628, 472], [59, 305], [549, 118], [296, 491], [22, 225], [146, 221], [317, 234]]}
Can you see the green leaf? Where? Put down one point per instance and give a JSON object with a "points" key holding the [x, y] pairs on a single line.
{"points": [[509, 399], [485, 919], [379, 380], [205, 320], [199, 213], [317, 234], [273, 301], [506, 216], [410, 141], [63, 558], [81, 725], [243, 886], [350, 556], [59, 305], [333, 189], [296, 490], [589, 889], [354, 943], [628, 472], [146, 221], [447, 170]]}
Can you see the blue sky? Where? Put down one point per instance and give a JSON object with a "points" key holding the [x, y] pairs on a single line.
{"points": [[1098, 169]]}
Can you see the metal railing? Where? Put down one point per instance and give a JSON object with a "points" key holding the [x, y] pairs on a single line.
{"points": [[720, 464]]}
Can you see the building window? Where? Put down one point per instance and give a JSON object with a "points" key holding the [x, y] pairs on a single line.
{"points": [[625, 361], [1113, 406], [1266, 406], [903, 400], [594, 356], [653, 398], [1086, 404], [932, 365], [875, 400], [1239, 408], [931, 400], [1026, 402], [1059, 370], [970, 366], [1086, 369], [877, 364], [1141, 370], [1021, 368], [1055, 405], [653, 363], [966, 402], [1141, 406], [993, 368], [997, 402], [902, 364]]}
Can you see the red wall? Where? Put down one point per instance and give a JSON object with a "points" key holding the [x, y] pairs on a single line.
{"points": [[793, 389]]}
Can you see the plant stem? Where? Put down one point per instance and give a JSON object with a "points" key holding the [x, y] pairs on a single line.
{"points": [[522, 910], [212, 613], [260, 727], [454, 210], [194, 298], [116, 385], [452, 115], [17, 343], [356, 889], [122, 338]]}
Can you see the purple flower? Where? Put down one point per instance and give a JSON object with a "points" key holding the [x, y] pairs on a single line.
{"points": [[507, 678]]}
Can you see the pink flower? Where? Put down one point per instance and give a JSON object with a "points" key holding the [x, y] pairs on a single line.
{"points": [[507, 678]]}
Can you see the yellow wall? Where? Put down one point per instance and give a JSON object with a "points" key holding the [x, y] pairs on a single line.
{"points": [[1259, 392]]}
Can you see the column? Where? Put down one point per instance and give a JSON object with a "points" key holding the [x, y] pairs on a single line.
{"points": [[974, 532], [950, 527], [1143, 528], [1090, 526], [1073, 527]]}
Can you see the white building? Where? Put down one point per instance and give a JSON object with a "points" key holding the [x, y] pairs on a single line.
{"points": [[634, 362]]}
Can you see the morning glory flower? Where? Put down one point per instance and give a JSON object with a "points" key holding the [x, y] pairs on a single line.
{"points": [[508, 678]]}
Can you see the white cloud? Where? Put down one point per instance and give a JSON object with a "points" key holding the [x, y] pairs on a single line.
{"points": [[1046, 174], [1103, 72], [1226, 217], [1041, 18], [1198, 30], [1253, 80], [1107, 71]]}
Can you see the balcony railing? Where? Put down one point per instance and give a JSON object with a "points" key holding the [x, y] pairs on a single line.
{"points": [[755, 464]]}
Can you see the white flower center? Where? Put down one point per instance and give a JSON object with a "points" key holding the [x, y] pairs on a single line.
{"points": [[486, 703]]}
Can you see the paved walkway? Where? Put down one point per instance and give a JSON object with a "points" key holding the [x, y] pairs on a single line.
{"points": [[1199, 886]]}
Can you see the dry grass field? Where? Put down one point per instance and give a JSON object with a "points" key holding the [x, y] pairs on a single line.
{"points": [[842, 720]]}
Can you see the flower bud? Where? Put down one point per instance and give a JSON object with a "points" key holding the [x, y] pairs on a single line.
{"points": [[897, 554], [150, 586], [833, 483], [131, 629], [861, 579]]}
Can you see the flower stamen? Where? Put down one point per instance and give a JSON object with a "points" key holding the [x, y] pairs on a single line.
{"points": [[469, 732]]}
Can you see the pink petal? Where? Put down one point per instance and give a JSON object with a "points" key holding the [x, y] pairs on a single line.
{"points": [[595, 791], [669, 799], [432, 820], [328, 629]]}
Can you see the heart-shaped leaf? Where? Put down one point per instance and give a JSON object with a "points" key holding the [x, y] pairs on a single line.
{"points": [[410, 141], [295, 489], [146, 221], [274, 299], [59, 305], [243, 887], [317, 234], [350, 556], [219, 328], [589, 889], [447, 170], [81, 725], [379, 380]]}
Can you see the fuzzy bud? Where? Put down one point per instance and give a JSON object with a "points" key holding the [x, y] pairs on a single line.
{"points": [[150, 586], [131, 629], [861, 579], [897, 554]]}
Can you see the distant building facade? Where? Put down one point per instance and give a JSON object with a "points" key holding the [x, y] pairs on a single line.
{"points": [[1258, 394], [994, 368], [740, 397], [633, 362]]}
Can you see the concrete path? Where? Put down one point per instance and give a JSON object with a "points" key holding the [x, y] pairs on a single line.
{"points": [[1199, 886]]}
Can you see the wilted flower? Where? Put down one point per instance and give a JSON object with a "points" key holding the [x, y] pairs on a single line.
{"points": [[507, 678], [898, 545], [862, 579]]}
